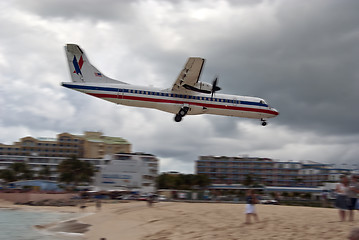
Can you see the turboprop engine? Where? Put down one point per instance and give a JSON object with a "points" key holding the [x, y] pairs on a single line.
{"points": [[204, 87]]}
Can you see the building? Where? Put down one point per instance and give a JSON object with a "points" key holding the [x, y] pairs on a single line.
{"points": [[238, 170], [97, 146], [37, 163], [89, 145], [111, 156], [130, 171], [136, 171]]}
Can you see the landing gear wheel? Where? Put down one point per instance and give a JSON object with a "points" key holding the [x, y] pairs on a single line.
{"points": [[178, 118], [182, 112], [264, 123]]}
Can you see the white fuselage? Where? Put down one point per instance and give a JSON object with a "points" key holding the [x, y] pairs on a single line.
{"points": [[170, 101]]}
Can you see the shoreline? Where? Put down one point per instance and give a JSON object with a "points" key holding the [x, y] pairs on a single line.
{"points": [[70, 226], [179, 220]]}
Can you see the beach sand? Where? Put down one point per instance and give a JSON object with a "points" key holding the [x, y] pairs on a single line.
{"points": [[172, 220], [177, 220]]}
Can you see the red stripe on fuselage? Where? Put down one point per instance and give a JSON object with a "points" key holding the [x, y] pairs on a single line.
{"points": [[161, 100]]}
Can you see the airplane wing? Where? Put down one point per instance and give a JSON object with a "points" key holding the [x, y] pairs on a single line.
{"points": [[190, 74]]}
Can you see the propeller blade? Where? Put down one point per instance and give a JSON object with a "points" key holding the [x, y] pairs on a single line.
{"points": [[214, 87]]}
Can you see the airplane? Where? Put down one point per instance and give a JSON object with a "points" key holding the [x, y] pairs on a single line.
{"points": [[187, 96]]}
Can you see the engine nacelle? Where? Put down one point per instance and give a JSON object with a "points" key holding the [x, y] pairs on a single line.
{"points": [[202, 87]]}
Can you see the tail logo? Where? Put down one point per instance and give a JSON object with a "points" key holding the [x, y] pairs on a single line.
{"points": [[78, 65]]}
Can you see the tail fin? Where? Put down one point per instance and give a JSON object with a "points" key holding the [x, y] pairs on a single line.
{"points": [[81, 70]]}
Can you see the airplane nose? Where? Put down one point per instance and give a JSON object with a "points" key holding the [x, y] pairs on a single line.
{"points": [[275, 111]]}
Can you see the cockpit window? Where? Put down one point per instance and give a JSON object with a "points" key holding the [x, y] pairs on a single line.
{"points": [[263, 103]]}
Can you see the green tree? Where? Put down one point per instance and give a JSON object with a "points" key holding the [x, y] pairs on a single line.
{"points": [[248, 181], [308, 196], [74, 171], [285, 194], [21, 171], [7, 175], [202, 180], [182, 181], [45, 172], [166, 181]]}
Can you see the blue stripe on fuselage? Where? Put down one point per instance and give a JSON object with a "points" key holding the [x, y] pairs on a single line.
{"points": [[174, 95], [90, 87]]}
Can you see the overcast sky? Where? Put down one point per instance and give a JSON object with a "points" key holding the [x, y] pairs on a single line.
{"points": [[301, 56]]}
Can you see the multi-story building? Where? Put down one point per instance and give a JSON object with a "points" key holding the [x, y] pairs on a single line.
{"points": [[97, 146], [234, 170], [89, 145], [111, 156], [134, 171]]}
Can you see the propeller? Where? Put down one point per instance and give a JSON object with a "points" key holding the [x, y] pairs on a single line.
{"points": [[215, 88]]}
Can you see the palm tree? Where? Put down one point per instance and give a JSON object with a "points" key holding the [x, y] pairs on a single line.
{"points": [[21, 171], [7, 175], [45, 172], [73, 171]]}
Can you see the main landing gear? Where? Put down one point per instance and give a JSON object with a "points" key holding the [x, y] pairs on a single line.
{"points": [[264, 122], [182, 112]]}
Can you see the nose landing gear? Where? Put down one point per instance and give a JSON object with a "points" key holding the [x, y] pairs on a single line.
{"points": [[264, 122]]}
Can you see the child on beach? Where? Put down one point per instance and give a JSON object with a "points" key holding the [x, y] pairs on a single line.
{"points": [[251, 200]]}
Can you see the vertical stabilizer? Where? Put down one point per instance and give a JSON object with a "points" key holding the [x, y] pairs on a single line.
{"points": [[81, 70]]}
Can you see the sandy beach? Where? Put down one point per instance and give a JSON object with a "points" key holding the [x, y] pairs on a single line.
{"points": [[174, 220], [168, 220]]}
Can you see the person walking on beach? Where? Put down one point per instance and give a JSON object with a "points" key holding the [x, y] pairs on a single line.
{"points": [[342, 200], [251, 200], [150, 200], [98, 204], [352, 195]]}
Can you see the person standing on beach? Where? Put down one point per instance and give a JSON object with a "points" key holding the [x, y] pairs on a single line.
{"points": [[352, 195], [251, 200], [98, 204], [150, 200], [342, 200]]}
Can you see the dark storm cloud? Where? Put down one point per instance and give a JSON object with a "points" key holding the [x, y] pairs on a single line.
{"points": [[81, 9], [305, 65], [300, 56]]}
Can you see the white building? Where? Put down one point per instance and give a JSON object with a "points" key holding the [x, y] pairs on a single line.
{"points": [[135, 172]]}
